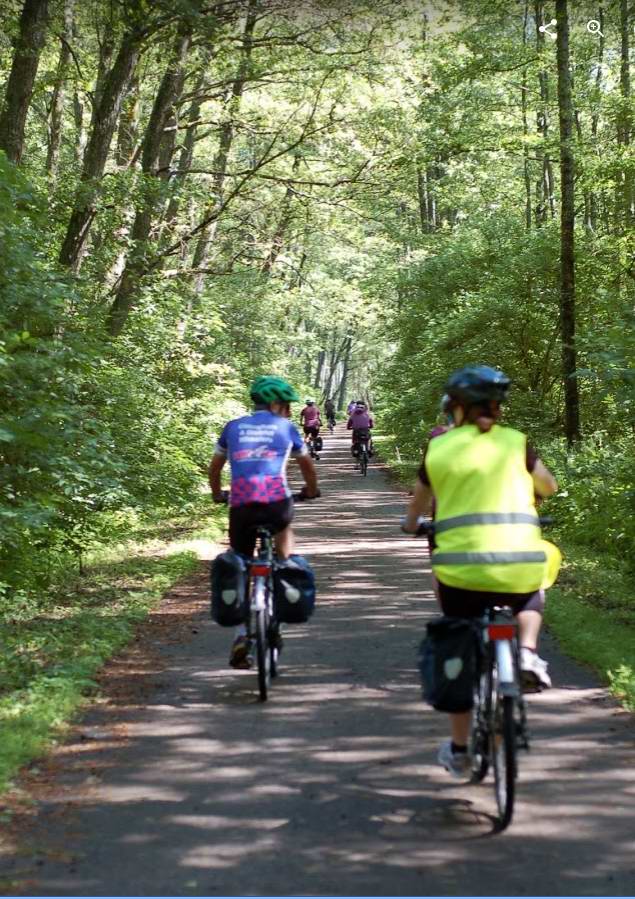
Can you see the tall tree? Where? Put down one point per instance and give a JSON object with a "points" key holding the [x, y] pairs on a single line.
{"points": [[98, 146], [567, 228], [202, 249], [59, 91], [167, 95], [26, 59]]}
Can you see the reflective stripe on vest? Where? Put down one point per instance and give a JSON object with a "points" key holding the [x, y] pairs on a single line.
{"points": [[487, 558], [460, 521]]}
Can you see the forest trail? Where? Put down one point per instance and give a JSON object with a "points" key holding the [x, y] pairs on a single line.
{"points": [[332, 787]]}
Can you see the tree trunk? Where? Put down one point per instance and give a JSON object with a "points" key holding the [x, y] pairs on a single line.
{"points": [[567, 222], [625, 117], [523, 106], [128, 131], [341, 395], [80, 131], [592, 210], [26, 58], [319, 369], [187, 151], [545, 193], [168, 93], [106, 52], [277, 241], [201, 252], [59, 93], [97, 150]]}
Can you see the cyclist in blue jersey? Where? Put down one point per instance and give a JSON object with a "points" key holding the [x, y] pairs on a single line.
{"points": [[258, 447]]}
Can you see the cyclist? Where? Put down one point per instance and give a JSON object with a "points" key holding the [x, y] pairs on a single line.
{"points": [[258, 446], [360, 422], [329, 411], [484, 478], [311, 419]]}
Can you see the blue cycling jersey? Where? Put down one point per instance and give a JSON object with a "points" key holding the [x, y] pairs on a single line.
{"points": [[258, 447]]}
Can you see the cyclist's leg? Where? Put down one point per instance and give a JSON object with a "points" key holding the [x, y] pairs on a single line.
{"points": [[529, 610], [457, 603], [285, 543], [242, 539]]}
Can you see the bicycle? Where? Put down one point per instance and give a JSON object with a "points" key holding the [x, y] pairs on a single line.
{"points": [[262, 628], [499, 717], [362, 451]]}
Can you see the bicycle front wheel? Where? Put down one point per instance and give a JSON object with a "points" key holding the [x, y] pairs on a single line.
{"points": [[503, 752], [263, 655]]}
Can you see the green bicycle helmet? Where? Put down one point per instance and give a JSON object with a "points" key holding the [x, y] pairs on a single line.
{"points": [[270, 389]]}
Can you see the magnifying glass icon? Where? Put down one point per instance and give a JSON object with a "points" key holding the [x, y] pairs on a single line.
{"points": [[593, 27]]}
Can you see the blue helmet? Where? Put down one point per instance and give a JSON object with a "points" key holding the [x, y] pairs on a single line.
{"points": [[477, 384]]}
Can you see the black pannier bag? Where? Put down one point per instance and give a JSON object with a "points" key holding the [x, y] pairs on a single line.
{"points": [[293, 590], [449, 658], [229, 582], [319, 444]]}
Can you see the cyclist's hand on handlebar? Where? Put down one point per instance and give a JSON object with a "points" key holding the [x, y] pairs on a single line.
{"points": [[418, 527], [410, 526], [222, 497]]}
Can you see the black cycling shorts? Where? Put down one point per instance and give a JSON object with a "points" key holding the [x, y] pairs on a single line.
{"points": [[244, 521], [459, 603], [314, 430]]}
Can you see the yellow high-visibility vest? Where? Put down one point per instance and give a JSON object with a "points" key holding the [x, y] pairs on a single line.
{"points": [[486, 525]]}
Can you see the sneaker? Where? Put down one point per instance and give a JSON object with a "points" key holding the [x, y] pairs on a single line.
{"points": [[458, 764], [533, 671], [240, 656]]}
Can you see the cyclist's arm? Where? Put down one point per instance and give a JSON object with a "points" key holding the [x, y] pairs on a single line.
{"points": [[420, 504], [307, 469], [544, 482], [214, 472], [349, 424]]}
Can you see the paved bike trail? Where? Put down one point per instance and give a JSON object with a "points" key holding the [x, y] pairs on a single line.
{"points": [[331, 788]]}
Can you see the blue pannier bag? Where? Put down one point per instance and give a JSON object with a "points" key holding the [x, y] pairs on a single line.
{"points": [[293, 590], [229, 583], [449, 659]]}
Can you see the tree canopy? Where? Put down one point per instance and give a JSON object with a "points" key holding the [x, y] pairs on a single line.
{"points": [[360, 196]]}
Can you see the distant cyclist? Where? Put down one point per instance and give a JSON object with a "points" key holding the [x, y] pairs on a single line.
{"points": [[329, 411], [258, 447], [311, 420], [351, 407], [360, 423], [484, 478]]}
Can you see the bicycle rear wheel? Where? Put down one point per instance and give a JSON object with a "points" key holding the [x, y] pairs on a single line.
{"points": [[503, 751], [263, 655]]}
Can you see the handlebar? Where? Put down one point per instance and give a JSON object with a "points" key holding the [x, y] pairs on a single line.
{"points": [[298, 497]]}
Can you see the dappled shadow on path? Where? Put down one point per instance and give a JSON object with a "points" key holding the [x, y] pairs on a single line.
{"points": [[332, 787]]}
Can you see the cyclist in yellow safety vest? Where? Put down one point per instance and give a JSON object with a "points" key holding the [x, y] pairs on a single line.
{"points": [[484, 478]]}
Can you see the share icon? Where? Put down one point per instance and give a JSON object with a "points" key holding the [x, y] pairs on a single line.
{"points": [[545, 28]]}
